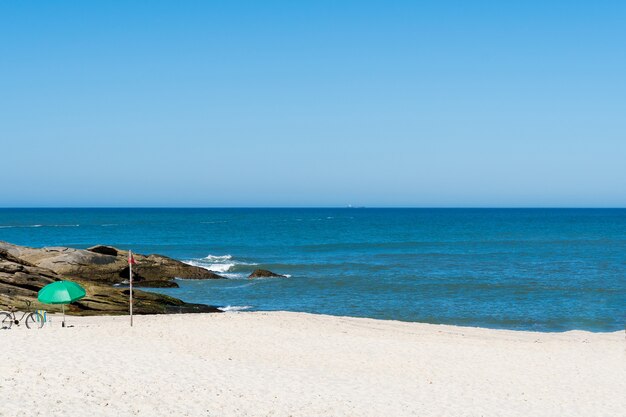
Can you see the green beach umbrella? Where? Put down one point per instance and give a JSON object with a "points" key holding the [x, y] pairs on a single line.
{"points": [[61, 292]]}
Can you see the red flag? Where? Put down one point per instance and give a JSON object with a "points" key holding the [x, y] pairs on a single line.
{"points": [[131, 259]]}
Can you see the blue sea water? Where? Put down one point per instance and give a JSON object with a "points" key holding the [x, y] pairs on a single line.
{"points": [[529, 269]]}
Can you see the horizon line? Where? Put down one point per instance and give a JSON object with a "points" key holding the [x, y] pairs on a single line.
{"points": [[348, 207]]}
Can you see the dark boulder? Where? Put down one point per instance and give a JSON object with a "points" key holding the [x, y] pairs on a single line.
{"points": [[264, 273], [103, 250]]}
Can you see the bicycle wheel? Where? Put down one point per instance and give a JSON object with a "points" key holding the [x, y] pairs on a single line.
{"points": [[6, 321], [34, 321]]}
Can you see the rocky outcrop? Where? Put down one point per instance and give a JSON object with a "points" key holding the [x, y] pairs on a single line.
{"points": [[103, 250], [264, 273], [24, 271], [106, 264]]}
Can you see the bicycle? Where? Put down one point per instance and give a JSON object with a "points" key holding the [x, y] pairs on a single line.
{"points": [[32, 320]]}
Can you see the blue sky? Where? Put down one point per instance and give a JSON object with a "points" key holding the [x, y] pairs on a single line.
{"points": [[321, 103]]}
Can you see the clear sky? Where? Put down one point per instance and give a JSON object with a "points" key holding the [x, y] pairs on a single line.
{"points": [[319, 103]]}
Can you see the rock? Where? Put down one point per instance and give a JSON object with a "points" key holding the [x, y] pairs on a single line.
{"points": [[20, 283], [156, 267], [21, 279], [264, 273], [105, 264], [104, 250]]}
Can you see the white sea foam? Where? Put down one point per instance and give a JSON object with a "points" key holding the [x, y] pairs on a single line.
{"points": [[234, 308], [196, 263], [218, 258], [36, 225], [221, 264], [19, 226], [226, 266], [234, 275], [220, 267]]}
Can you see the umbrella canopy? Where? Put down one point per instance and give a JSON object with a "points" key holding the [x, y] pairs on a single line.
{"points": [[61, 292]]}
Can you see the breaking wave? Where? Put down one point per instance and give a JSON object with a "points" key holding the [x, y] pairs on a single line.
{"points": [[224, 265], [19, 226], [234, 308]]}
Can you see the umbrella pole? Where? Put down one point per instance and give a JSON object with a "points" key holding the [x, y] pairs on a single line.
{"points": [[63, 307]]}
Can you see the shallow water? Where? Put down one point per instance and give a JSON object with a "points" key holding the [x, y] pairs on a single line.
{"points": [[532, 269]]}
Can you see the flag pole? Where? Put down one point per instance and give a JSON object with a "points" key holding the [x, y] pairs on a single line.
{"points": [[130, 272]]}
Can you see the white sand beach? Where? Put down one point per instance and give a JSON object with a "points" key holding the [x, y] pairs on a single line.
{"points": [[294, 364]]}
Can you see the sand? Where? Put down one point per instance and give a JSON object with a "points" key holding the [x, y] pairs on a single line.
{"points": [[294, 364]]}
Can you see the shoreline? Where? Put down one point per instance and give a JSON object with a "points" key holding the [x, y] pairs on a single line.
{"points": [[301, 364], [443, 326]]}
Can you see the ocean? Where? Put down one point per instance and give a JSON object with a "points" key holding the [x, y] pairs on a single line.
{"points": [[524, 269]]}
